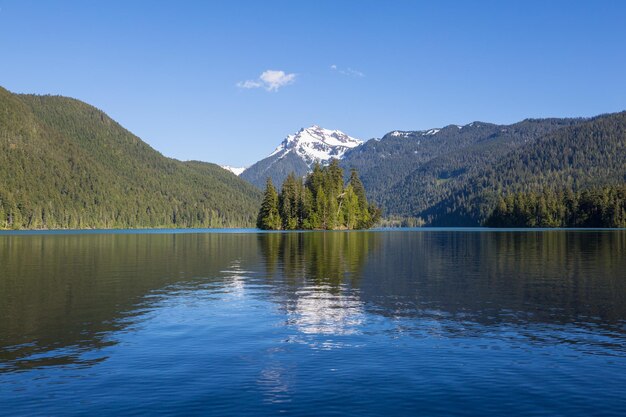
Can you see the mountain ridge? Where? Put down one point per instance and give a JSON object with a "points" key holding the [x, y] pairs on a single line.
{"points": [[66, 164], [430, 176]]}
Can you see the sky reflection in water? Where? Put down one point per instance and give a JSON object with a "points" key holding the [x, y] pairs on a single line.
{"points": [[440, 322]]}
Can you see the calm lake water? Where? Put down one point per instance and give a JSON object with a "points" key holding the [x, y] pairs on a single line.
{"points": [[431, 322]]}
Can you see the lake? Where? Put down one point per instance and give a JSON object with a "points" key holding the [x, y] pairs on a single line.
{"points": [[389, 322]]}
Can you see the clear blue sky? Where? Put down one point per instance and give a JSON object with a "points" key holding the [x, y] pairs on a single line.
{"points": [[174, 72]]}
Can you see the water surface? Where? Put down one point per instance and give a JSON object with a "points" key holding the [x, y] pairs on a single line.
{"points": [[433, 322]]}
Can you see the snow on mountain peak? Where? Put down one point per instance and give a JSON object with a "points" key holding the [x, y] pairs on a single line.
{"points": [[316, 144], [235, 170]]}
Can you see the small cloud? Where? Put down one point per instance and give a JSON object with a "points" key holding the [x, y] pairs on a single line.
{"points": [[249, 84], [271, 80], [275, 79], [353, 72], [347, 71]]}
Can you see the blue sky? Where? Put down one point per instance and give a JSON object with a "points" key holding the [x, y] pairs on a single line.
{"points": [[175, 73]]}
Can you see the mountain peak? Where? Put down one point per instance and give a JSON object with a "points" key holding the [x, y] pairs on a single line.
{"points": [[316, 144], [235, 170]]}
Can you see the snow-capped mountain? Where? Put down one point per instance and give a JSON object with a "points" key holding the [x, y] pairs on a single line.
{"points": [[235, 170], [298, 152], [316, 144]]}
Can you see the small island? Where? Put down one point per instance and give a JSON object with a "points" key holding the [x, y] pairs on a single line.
{"points": [[320, 201]]}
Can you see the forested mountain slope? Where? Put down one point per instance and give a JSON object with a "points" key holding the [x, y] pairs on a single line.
{"points": [[587, 155], [275, 169], [66, 164], [408, 173]]}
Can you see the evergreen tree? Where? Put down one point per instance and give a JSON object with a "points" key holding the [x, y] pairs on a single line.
{"points": [[269, 216], [365, 220], [358, 188], [599, 207], [321, 202], [321, 209], [315, 180], [290, 201], [334, 177], [308, 216], [351, 210]]}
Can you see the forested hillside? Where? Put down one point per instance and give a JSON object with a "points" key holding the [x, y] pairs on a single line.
{"points": [[409, 173], [587, 155], [66, 164], [454, 176]]}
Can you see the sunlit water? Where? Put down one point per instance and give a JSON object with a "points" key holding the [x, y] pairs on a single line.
{"points": [[362, 323]]}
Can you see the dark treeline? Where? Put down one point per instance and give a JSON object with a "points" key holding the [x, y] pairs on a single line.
{"points": [[598, 207], [321, 202]]}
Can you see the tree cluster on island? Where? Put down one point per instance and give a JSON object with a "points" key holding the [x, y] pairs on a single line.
{"points": [[322, 201], [597, 207]]}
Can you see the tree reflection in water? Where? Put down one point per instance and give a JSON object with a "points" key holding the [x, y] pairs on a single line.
{"points": [[321, 273]]}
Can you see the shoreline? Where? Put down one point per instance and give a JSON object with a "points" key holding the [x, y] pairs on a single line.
{"points": [[44, 232]]}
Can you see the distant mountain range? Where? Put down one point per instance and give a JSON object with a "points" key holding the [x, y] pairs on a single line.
{"points": [[407, 172], [66, 164], [453, 175]]}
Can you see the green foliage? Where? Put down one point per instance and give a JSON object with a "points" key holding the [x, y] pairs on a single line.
{"points": [[455, 177], [65, 164], [322, 201], [586, 156], [599, 207], [269, 217], [409, 173]]}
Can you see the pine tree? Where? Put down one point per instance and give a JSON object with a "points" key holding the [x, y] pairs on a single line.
{"points": [[350, 207], [321, 202], [321, 207], [309, 218], [269, 216], [335, 177], [332, 208], [315, 180], [289, 202], [366, 216]]}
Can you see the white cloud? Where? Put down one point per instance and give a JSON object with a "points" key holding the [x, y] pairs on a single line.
{"points": [[348, 71], [249, 84], [271, 80], [276, 79]]}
